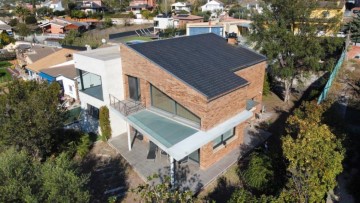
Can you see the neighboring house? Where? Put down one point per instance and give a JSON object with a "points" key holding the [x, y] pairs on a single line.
{"points": [[65, 75], [5, 28], [99, 76], [91, 6], [229, 25], [252, 5], [59, 57], [55, 5], [181, 6], [322, 15], [62, 26], [190, 96], [213, 6], [162, 22], [136, 6]]}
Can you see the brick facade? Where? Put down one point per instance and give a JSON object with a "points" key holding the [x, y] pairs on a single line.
{"points": [[211, 113]]}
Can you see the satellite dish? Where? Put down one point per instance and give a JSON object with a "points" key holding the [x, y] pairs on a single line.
{"points": [[103, 41]]}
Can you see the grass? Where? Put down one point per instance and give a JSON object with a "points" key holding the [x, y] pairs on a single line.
{"points": [[5, 64], [5, 76]]}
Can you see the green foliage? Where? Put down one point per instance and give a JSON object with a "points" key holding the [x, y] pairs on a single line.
{"points": [[26, 180], [162, 192], [108, 23], [353, 28], [78, 14], [31, 116], [76, 38], [314, 153], [22, 12], [266, 86], [258, 175], [83, 147], [205, 14], [117, 5], [22, 29], [30, 19], [104, 123], [70, 37], [13, 22], [240, 12], [5, 39], [44, 11], [243, 196], [146, 14], [59, 13], [289, 43]]}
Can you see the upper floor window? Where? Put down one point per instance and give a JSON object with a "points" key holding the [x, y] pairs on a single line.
{"points": [[165, 103], [90, 84], [221, 140]]}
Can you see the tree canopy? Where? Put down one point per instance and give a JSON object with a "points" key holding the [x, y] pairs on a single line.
{"points": [[31, 116], [287, 34]]}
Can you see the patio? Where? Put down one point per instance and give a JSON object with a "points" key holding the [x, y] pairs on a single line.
{"points": [[188, 174]]}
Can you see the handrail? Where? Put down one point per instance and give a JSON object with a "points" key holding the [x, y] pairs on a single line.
{"points": [[125, 107]]}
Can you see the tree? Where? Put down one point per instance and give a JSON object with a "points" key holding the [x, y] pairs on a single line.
{"points": [[243, 196], [286, 33], [104, 123], [30, 19], [31, 116], [162, 192], [108, 23], [13, 22], [5, 39], [21, 12], [26, 180], [353, 28], [44, 11], [23, 30], [146, 14], [70, 37], [258, 175], [78, 14], [314, 154]]}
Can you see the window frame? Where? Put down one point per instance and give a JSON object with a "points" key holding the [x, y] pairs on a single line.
{"points": [[223, 141]]}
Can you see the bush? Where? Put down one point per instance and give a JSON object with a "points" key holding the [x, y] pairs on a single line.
{"points": [[108, 23], [30, 20], [104, 123], [84, 146], [266, 87], [13, 22]]}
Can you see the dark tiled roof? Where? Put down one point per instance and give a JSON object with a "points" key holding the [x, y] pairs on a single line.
{"points": [[205, 62]]}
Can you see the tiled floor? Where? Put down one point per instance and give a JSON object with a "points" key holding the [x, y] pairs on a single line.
{"points": [[189, 175]]}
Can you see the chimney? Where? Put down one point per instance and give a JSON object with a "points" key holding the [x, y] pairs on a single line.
{"points": [[68, 57], [232, 38]]}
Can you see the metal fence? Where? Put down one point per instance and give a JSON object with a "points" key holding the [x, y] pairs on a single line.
{"points": [[333, 74]]}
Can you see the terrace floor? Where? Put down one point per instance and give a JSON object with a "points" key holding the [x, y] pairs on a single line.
{"points": [[188, 175]]}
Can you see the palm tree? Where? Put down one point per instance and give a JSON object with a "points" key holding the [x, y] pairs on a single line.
{"points": [[22, 12]]}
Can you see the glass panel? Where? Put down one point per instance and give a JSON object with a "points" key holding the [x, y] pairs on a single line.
{"points": [[183, 112], [134, 92], [90, 84], [161, 101], [217, 141], [195, 156], [227, 135]]}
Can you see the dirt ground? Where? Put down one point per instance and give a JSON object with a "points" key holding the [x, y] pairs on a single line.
{"points": [[111, 176]]}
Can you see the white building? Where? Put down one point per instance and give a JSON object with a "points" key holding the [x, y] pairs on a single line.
{"points": [[99, 77], [162, 22], [213, 6], [55, 5], [181, 6]]}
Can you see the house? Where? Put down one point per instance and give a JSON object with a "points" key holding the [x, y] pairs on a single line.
{"points": [[55, 5], [136, 6], [56, 58], [5, 28], [90, 6], [99, 77], [191, 105], [181, 6], [62, 26], [252, 5], [65, 75], [162, 22], [213, 6]]}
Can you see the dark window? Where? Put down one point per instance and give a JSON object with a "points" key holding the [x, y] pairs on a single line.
{"points": [[134, 88], [164, 102], [93, 111], [223, 138]]}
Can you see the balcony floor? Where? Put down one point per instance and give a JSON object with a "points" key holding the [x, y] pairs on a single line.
{"points": [[95, 91], [189, 175]]}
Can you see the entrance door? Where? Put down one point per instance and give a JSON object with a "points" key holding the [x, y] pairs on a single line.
{"points": [[195, 156], [134, 88]]}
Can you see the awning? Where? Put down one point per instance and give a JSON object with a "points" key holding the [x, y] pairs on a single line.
{"points": [[178, 139]]}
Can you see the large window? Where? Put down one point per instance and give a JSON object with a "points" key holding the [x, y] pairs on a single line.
{"points": [[164, 102], [90, 84], [223, 138]]}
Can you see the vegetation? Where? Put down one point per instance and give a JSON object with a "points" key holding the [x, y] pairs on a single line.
{"points": [[162, 192], [83, 147], [22, 29], [353, 28], [26, 180], [76, 38], [289, 43], [31, 117], [104, 123], [108, 23], [5, 39], [44, 11], [266, 86], [31, 19], [22, 12]]}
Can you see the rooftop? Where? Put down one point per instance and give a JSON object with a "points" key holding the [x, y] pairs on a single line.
{"points": [[187, 17], [67, 71], [38, 52], [207, 67], [103, 54]]}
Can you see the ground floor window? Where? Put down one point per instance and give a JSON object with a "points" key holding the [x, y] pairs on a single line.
{"points": [[221, 140]]}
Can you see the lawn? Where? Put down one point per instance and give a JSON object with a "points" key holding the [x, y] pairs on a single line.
{"points": [[5, 76], [5, 64]]}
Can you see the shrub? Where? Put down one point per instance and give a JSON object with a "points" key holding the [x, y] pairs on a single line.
{"points": [[266, 87], [13, 22], [84, 146], [104, 123], [30, 20]]}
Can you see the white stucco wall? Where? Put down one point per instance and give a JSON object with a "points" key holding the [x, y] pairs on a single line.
{"points": [[67, 83], [112, 83]]}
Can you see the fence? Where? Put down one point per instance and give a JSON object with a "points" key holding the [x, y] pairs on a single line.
{"points": [[333, 74]]}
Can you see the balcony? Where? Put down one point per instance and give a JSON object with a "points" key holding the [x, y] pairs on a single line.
{"points": [[125, 107]]}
